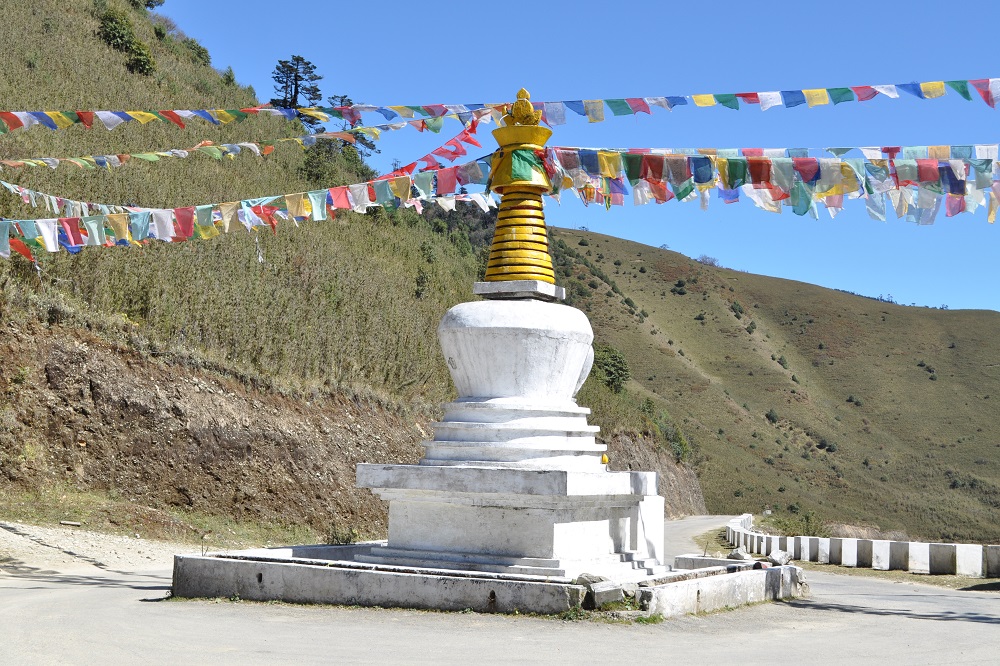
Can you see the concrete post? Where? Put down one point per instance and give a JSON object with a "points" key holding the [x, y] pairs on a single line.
{"points": [[969, 560], [849, 552], [880, 554], [864, 558], [823, 550], [899, 555], [920, 558], [942, 558], [836, 550], [992, 557]]}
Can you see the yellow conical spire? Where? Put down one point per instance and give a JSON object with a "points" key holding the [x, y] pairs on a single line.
{"points": [[520, 249]]}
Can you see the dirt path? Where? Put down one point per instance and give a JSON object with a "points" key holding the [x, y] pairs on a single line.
{"points": [[70, 597]]}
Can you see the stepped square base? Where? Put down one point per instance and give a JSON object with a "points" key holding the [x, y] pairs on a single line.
{"points": [[519, 521], [330, 575]]}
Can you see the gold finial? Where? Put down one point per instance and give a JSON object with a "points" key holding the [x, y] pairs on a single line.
{"points": [[522, 112], [520, 249]]}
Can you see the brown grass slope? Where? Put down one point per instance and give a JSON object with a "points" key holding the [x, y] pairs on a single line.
{"points": [[237, 379], [885, 413]]}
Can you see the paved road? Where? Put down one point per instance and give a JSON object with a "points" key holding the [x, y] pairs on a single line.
{"points": [[89, 614]]}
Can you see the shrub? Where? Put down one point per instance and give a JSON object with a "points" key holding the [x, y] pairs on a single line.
{"points": [[772, 416], [752, 327], [618, 262], [116, 30], [140, 60], [707, 260], [198, 52], [629, 302], [783, 362], [611, 367], [584, 241], [642, 269]]}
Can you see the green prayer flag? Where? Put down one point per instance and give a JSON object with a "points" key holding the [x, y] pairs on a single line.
{"points": [[619, 107], [961, 87], [149, 157], [727, 100], [737, 172], [71, 115], [633, 167], [419, 109], [209, 150], [801, 199], [240, 116], [434, 124], [523, 163], [838, 95], [204, 215], [682, 190]]}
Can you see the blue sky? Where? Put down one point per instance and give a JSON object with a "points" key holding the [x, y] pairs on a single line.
{"points": [[397, 53]]}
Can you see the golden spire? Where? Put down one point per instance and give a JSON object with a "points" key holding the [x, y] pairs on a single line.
{"points": [[520, 249]]}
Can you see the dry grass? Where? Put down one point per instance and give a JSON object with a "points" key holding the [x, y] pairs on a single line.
{"points": [[916, 455]]}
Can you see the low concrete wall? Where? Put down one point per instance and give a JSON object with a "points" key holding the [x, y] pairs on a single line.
{"points": [[711, 593], [257, 580], [961, 559]]}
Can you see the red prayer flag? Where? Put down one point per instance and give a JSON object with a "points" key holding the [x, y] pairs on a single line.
{"points": [[447, 179], [651, 169], [340, 196], [954, 204], [10, 120], [808, 167], [864, 93], [184, 222], [892, 151], [927, 171], [760, 171], [982, 86], [753, 152], [173, 117], [637, 104], [71, 225], [86, 117], [749, 98], [18, 246]]}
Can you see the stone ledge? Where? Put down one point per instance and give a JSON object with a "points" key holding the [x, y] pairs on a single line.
{"points": [[507, 289]]}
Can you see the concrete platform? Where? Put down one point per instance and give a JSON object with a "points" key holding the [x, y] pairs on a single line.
{"points": [[332, 575]]}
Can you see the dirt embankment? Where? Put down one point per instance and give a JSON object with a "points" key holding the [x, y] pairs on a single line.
{"points": [[677, 483], [163, 435]]}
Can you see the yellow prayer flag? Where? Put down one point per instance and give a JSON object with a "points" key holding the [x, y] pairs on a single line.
{"points": [[932, 89], [704, 100], [205, 233], [850, 179], [143, 117], [294, 204], [400, 187], [939, 152], [223, 116], [229, 211], [992, 215], [119, 224], [61, 121], [314, 113], [373, 132], [816, 96], [610, 163], [594, 108], [403, 111]]}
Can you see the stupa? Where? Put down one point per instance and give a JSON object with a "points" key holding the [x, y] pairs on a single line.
{"points": [[514, 481]]}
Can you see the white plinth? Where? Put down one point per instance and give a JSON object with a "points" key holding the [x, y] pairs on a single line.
{"points": [[513, 482]]}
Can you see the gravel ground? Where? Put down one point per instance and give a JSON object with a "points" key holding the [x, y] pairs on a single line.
{"points": [[72, 549]]}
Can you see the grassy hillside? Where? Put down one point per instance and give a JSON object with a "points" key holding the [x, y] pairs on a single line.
{"points": [[785, 395], [879, 413]]}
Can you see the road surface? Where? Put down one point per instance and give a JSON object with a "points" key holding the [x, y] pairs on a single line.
{"points": [[87, 611]]}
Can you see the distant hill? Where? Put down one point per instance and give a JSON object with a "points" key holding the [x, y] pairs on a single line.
{"points": [[240, 379], [880, 413]]}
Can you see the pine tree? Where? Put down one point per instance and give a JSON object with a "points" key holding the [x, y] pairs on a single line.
{"points": [[295, 84]]}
